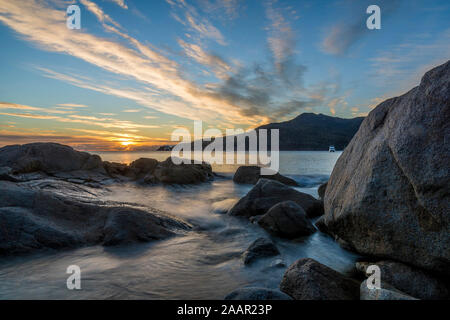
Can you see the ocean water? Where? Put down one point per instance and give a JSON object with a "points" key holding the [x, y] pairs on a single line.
{"points": [[205, 263]]}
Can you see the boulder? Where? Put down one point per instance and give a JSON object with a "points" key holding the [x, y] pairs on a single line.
{"points": [[32, 219], [47, 157], [388, 194], [186, 173], [385, 292], [256, 293], [267, 193], [287, 220], [128, 225], [144, 166], [307, 279], [260, 248], [410, 280], [251, 175], [322, 189]]}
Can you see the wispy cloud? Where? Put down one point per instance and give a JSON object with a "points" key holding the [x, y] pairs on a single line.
{"points": [[120, 3], [189, 17], [344, 34]]}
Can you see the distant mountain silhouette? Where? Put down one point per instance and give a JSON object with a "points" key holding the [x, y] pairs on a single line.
{"points": [[311, 131]]}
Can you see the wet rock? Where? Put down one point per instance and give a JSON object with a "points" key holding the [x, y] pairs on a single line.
{"points": [[260, 248], [322, 189], [144, 166], [267, 193], [287, 220], [47, 157], [128, 225], [169, 173], [256, 293], [410, 280], [388, 193], [385, 292], [32, 218], [278, 263], [255, 219], [251, 175], [7, 175], [307, 279]]}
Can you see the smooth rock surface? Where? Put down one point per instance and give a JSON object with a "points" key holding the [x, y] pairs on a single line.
{"points": [[33, 218], [267, 193], [251, 175], [169, 173], [388, 195], [47, 157], [260, 248], [287, 220], [307, 279]]}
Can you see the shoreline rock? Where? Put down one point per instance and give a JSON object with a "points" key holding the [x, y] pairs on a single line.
{"points": [[260, 248], [388, 195], [251, 175], [307, 279], [287, 220], [257, 293], [267, 193]]}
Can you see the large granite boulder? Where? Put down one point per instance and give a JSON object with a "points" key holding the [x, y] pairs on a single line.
{"points": [[47, 157], [251, 175], [186, 173], [32, 219], [410, 280], [307, 279], [260, 248], [267, 193], [257, 293], [287, 220], [388, 195]]}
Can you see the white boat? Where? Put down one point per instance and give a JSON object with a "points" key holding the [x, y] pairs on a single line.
{"points": [[331, 149]]}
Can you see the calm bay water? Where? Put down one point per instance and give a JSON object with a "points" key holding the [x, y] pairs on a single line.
{"points": [[203, 264]]}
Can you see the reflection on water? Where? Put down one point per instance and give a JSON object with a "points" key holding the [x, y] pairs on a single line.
{"points": [[204, 264]]}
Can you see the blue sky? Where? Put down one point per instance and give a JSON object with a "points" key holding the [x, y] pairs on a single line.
{"points": [[137, 70]]}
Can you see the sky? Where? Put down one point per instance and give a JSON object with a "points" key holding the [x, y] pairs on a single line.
{"points": [[138, 70]]}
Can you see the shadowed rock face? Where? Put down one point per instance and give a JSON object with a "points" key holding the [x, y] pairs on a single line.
{"points": [[287, 220], [267, 193], [251, 175], [47, 157], [185, 173], [388, 195], [36, 219], [260, 248], [307, 279]]}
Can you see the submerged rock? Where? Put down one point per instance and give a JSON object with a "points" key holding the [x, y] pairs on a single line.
{"points": [[251, 175], [410, 280], [260, 248], [267, 193], [307, 279], [256, 293], [287, 220], [385, 292], [388, 195]]}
